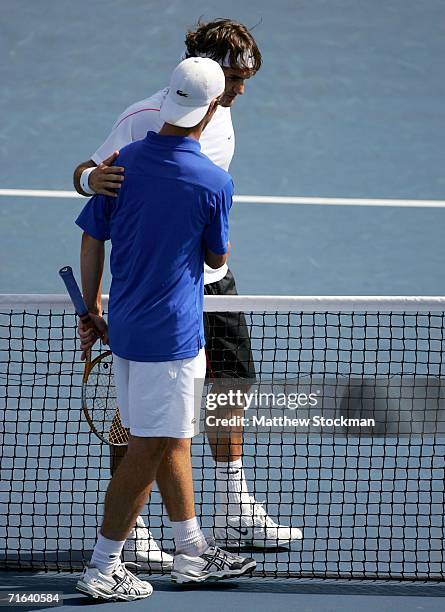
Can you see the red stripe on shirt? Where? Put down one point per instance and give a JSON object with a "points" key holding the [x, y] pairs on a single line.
{"points": [[135, 113]]}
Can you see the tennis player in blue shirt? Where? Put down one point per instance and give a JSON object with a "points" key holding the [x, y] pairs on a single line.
{"points": [[171, 215]]}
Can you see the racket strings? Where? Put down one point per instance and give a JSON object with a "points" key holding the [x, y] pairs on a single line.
{"points": [[100, 402]]}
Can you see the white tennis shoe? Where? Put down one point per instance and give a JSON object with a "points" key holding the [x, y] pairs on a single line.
{"points": [[141, 547], [121, 585], [256, 529], [213, 564]]}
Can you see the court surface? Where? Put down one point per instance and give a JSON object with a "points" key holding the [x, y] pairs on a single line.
{"points": [[348, 104], [247, 594]]}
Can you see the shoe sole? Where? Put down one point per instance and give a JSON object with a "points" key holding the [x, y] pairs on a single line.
{"points": [[82, 587], [213, 576]]}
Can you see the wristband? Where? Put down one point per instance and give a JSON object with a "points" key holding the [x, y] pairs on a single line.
{"points": [[84, 178]]}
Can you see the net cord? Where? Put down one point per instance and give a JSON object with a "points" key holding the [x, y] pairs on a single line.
{"points": [[259, 303]]}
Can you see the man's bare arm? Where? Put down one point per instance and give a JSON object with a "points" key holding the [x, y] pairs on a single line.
{"points": [[92, 257], [104, 179], [92, 254]]}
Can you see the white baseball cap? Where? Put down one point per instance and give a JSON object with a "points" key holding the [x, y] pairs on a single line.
{"points": [[195, 82]]}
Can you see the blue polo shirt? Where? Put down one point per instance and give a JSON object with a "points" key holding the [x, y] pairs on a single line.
{"points": [[172, 204]]}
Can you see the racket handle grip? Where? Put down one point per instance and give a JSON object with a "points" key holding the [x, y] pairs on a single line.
{"points": [[66, 274]]}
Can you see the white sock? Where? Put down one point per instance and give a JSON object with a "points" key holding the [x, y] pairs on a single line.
{"points": [[189, 539], [106, 554], [232, 494]]}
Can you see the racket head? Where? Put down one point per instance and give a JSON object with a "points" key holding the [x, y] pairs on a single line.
{"points": [[99, 401]]}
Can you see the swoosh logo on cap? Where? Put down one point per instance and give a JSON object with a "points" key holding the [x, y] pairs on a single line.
{"points": [[182, 93]]}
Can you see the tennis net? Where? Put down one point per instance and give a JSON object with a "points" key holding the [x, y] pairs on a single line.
{"points": [[370, 502]]}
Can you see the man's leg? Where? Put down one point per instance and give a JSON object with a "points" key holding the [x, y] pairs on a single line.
{"points": [[140, 545], [195, 560], [230, 365], [240, 520], [117, 453], [106, 577], [130, 486], [174, 478], [226, 444], [229, 356]]}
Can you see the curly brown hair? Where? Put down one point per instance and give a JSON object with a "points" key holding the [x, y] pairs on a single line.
{"points": [[220, 37]]}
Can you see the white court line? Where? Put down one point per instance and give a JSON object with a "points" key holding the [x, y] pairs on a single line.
{"points": [[252, 199], [340, 201], [39, 193]]}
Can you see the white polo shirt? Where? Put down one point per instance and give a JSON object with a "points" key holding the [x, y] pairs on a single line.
{"points": [[217, 142]]}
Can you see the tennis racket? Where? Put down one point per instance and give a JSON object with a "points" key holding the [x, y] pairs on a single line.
{"points": [[99, 403]]}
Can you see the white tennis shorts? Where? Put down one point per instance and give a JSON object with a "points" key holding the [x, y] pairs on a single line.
{"points": [[157, 399]]}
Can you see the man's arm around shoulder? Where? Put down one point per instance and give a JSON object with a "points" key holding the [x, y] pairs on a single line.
{"points": [[104, 178]]}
